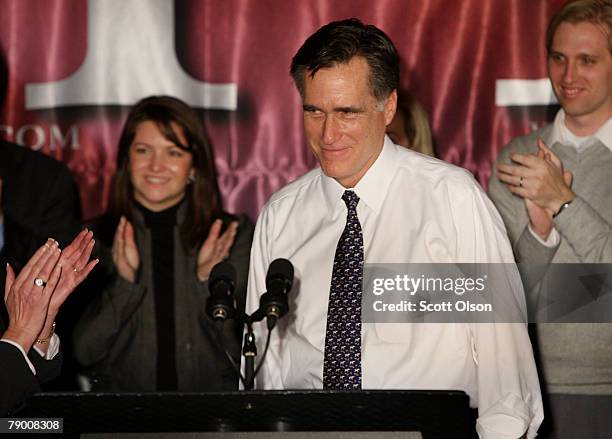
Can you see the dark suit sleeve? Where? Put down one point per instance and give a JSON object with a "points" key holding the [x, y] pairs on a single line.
{"points": [[60, 216], [39, 200], [17, 381], [59, 213], [46, 370]]}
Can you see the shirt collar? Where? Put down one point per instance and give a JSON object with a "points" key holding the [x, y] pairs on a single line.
{"points": [[372, 186], [604, 134], [561, 134]]}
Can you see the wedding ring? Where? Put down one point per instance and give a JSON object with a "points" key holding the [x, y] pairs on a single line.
{"points": [[39, 282]]}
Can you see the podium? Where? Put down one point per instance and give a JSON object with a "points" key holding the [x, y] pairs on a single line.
{"points": [[436, 414]]}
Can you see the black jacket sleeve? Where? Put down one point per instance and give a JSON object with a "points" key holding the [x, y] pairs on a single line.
{"points": [[17, 381]]}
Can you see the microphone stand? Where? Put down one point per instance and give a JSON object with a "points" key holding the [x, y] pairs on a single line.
{"points": [[249, 351], [272, 306], [249, 348]]}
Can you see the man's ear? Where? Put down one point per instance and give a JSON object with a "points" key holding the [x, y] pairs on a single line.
{"points": [[390, 107]]}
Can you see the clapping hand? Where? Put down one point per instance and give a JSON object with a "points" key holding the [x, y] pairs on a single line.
{"points": [[216, 247], [542, 182], [75, 267], [125, 252], [34, 297], [27, 296]]}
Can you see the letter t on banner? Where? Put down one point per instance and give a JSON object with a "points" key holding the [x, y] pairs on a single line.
{"points": [[131, 54]]}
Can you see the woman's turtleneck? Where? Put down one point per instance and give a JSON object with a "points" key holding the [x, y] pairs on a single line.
{"points": [[161, 224]]}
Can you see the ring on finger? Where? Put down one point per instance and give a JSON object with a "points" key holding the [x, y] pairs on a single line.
{"points": [[39, 282]]}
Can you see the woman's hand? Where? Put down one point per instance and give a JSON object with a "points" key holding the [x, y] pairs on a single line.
{"points": [[125, 252], [215, 248], [27, 297], [75, 267]]}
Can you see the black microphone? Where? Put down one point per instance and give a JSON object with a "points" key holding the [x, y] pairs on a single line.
{"points": [[279, 281], [222, 282]]}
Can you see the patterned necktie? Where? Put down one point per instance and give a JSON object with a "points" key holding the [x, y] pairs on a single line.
{"points": [[342, 360]]}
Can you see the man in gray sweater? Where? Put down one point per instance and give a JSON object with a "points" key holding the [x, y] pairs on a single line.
{"points": [[553, 188]]}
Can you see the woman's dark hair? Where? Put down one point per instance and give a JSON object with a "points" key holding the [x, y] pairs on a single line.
{"points": [[201, 195]]}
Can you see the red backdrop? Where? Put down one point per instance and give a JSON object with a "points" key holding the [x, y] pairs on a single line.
{"points": [[103, 55]]}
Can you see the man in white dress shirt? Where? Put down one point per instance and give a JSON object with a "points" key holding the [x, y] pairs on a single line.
{"points": [[411, 208]]}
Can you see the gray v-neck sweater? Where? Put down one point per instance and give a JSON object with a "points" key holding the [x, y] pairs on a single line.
{"points": [[576, 357]]}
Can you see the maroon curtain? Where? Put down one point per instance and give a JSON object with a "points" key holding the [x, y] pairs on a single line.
{"points": [[453, 53]]}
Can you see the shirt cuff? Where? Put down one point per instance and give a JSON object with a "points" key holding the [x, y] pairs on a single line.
{"points": [[552, 240], [18, 346], [510, 418], [53, 349]]}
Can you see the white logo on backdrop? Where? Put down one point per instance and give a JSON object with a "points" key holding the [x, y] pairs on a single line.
{"points": [[510, 92], [131, 54]]}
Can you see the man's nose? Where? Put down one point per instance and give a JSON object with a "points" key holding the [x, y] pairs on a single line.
{"points": [[569, 72], [330, 129]]}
